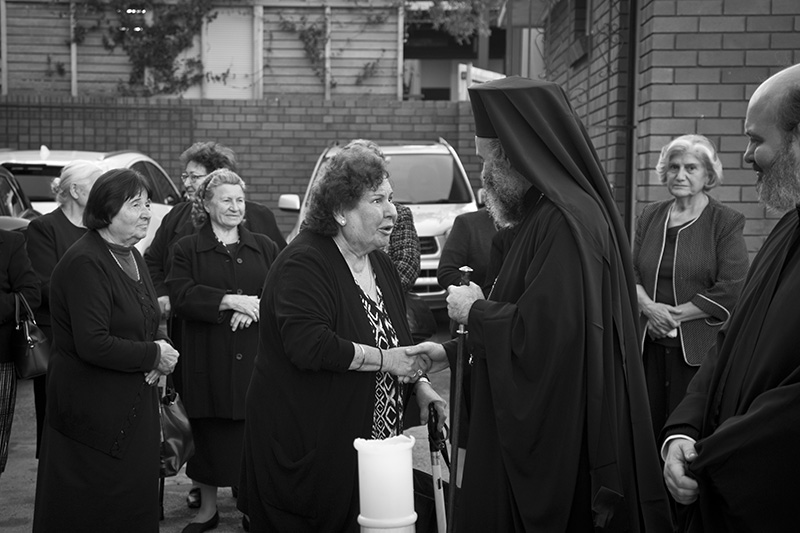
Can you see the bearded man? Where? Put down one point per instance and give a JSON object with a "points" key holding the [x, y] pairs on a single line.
{"points": [[560, 436], [731, 446]]}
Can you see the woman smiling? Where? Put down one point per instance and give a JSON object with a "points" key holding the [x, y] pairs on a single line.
{"points": [[215, 285]]}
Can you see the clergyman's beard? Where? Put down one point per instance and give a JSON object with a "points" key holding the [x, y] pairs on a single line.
{"points": [[779, 186], [505, 196]]}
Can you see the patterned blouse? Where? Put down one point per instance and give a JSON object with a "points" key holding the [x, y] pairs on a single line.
{"points": [[388, 415]]}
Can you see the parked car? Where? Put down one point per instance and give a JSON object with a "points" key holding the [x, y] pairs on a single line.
{"points": [[35, 169], [16, 210], [429, 179]]}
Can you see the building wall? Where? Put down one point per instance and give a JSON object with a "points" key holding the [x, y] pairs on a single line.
{"points": [[363, 51], [700, 63], [277, 140], [595, 83]]}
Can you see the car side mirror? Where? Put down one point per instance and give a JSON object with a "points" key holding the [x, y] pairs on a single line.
{"points": [[289, 202]]}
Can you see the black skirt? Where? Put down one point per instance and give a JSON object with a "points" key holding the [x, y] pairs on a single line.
{"points": [[79, 488], [217, 458]]}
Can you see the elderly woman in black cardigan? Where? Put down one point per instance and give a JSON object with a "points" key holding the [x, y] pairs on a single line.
{"points": [[99, 460], [690, 262], [331, 368]]}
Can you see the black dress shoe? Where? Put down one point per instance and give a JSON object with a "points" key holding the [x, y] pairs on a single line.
{"points": [[199, 527], [245, 522], [194, 498]]}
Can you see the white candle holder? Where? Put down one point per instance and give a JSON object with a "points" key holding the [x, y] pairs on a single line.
{"points": [[386, 485]]}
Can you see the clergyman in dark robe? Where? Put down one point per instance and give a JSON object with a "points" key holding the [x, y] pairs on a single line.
{"points": [[732, 445], [560, 436]]}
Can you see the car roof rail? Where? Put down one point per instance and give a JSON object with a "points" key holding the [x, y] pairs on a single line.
{"points": [[117, 152]]}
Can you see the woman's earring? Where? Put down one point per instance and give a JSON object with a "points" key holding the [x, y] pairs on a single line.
{"points": [[343, 221]]}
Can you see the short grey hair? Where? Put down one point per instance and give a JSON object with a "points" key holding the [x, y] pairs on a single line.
{"points": [[700, 147]]}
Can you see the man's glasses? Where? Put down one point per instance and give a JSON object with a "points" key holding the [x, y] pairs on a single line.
{"points": [[193, 177]]}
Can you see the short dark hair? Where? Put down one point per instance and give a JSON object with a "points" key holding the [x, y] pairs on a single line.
{"points": [[212, 155], [109, 193], [355, 169]]}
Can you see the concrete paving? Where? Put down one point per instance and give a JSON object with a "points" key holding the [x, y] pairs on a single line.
{"points": [[18, 482]]}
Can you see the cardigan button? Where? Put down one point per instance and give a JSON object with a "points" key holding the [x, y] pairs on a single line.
{"points": [[238, 357], [239, 260]]}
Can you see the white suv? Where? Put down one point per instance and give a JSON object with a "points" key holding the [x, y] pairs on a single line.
{"points": [[35, 169], [431, 181]]}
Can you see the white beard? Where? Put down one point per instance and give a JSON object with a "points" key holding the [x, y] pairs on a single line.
{"points": [[779, 186]]}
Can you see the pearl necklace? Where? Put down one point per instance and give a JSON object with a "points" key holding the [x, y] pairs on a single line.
{"points": [[135, 264]]}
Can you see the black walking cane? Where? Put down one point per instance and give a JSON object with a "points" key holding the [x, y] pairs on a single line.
{"points": [[438, 449], [456, 422]]}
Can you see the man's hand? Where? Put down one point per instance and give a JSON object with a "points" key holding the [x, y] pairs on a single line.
{"points": [[460, 299], [431, 356], [683, 488]]}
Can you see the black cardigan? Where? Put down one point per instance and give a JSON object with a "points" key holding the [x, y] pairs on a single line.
{"points": [[104, 328], [304, 407], [709, 270]]}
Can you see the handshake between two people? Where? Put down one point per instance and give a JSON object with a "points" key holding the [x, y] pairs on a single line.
{"points": [[430, 357]]}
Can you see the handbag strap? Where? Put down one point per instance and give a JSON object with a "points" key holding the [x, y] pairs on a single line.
{"points": [[22, 303]]}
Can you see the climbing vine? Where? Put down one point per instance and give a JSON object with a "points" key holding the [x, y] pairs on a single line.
{"points": [[153, 35], [314, 37]]}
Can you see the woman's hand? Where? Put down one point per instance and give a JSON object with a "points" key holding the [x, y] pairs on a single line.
{"points": [[431, 355], [406, 367], [425, 396], [165, 306], [662, 319], [169, 357], [241, 320], [248, 305]]}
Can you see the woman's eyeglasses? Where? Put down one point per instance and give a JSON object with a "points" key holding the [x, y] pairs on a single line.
{"points": [[193, 177]]}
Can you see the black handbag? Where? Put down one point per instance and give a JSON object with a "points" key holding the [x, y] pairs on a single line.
{"points": [[30, 345], [177, 444]]}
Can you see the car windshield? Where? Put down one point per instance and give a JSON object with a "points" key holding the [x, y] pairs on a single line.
{"points": [[35, 180], [426, 179]]}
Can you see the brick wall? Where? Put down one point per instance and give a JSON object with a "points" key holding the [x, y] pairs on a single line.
{"points": [[277, 140], [700, 62]]}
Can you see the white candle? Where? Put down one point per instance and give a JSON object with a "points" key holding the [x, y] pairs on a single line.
{"points": [[386, 484]]}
